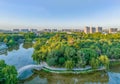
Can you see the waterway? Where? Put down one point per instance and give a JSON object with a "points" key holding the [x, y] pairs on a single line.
{"points": [[21, 55]]}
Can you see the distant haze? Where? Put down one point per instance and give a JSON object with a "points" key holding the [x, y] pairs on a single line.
{"points": [[59, 13]]}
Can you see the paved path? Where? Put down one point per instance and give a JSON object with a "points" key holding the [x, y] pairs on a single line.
{"points": [[29, 67], [63, 69]]}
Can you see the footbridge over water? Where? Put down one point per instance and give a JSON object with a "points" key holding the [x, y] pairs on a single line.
{"points": [[29, 67]]}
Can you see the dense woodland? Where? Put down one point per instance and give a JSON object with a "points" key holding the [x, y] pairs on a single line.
{"points": [[8, 74], [77, 49], [13, 39], [64, 50]]}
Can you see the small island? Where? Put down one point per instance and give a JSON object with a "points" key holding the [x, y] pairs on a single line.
{"points": [[62, 52], [74, 51]]}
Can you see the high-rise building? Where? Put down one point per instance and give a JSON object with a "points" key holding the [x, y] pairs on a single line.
{"points": [[92, 29], [113, 30], [99, 29], [87, 29]]}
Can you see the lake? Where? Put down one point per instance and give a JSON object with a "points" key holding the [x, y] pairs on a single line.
{"points": [[21, 55]]}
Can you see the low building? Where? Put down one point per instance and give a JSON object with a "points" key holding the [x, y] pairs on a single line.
{"points": [[46, 30], [113, 30], [66, 30], [54, 30], [77, 30], [33, 30], [25, 30], [16, 30]]}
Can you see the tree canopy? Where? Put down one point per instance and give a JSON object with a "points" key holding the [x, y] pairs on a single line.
{"points": [[8, 74], [80, 48]]}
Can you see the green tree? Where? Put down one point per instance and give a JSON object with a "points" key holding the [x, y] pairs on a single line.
{"points": [[5, 40], [104, 60], [11, 42], [94, 63], [69, 52], [51, 61], [61, 60], [69, 64], [8, 74]]}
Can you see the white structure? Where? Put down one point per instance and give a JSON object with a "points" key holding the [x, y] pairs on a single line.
{"points": [[99, 29], [92, 29], [87, 29]]}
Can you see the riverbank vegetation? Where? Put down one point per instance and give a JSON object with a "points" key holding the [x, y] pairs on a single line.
{"points": [[8, 74], [16, 38], [77, 49]]}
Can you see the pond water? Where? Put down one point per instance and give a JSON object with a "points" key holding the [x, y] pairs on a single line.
{"points": [[21, 55]]}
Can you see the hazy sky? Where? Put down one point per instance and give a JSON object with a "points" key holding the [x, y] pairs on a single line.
{"points": [[36, 13]]}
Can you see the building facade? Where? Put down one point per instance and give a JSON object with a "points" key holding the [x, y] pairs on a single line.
{"points": [[87, 29], [16, 30], [113, 30], [92, 29], [25, 30], [99, 29], [34, 30]]}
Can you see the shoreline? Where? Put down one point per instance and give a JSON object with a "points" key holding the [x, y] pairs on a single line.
{"points": [[71, 71], [87, 69]]}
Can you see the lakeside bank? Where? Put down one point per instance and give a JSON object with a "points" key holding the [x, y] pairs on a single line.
{"points": [[87, 69]]}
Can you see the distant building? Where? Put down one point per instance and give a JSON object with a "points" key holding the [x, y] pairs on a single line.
{"points": [[77, 30], [16, 30], [6, 31], [87, 29], [66, 30], [25, 30], [113, 30], [99, 29], [33, 30], [54, 30], [46, 30], [92, 29]]}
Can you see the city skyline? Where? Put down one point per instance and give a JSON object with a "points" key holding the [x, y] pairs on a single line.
{"points": [[60, 13]]}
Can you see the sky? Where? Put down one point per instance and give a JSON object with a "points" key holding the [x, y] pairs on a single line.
{"points": [[59, 13]]}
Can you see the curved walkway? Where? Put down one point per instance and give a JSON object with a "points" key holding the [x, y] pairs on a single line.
{"points": [[64, 70], [45, 67], [21, 70]]}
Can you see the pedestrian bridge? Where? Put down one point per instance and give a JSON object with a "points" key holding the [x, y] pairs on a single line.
{"points": [[29, 67]]}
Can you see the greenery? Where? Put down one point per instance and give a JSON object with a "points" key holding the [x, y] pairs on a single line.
{"points": [[77, 49], [8, 74], [15, 38]]}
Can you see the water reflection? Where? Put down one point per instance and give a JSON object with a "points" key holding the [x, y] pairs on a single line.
{"points": [[18, 56], [4, 52], [16, 47], [49, 78]]}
